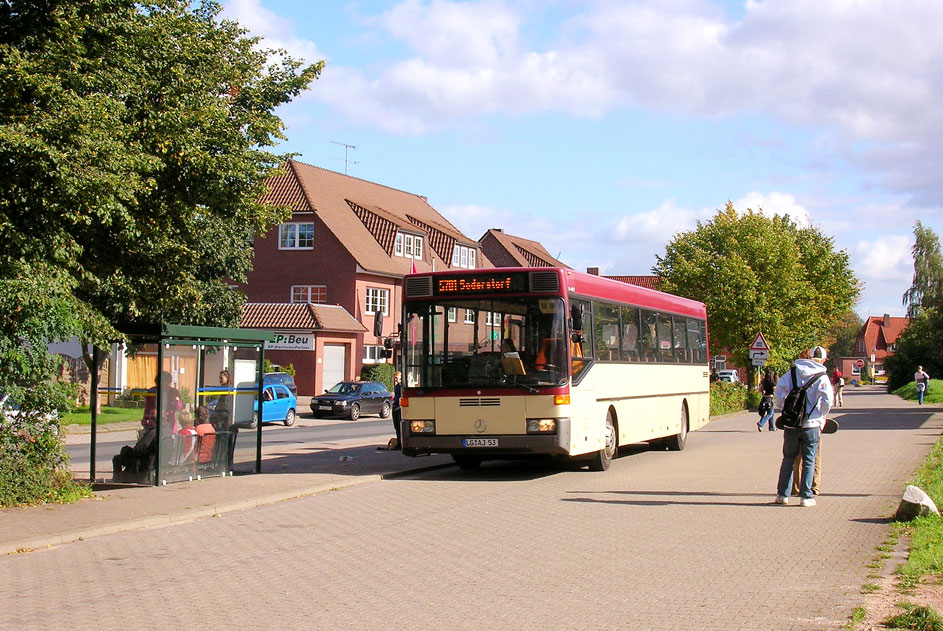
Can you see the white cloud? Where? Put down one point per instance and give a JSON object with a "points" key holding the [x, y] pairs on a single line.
{"points": [[887, 258], [774, 203], [277, 31], [864, 75]]}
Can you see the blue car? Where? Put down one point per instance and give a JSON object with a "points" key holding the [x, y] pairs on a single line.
{"points": [[278, 405]]}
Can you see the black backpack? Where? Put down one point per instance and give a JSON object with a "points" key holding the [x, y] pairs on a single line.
{"points": [[795, 410]]}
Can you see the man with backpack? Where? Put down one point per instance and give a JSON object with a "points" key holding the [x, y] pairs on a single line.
{"points": [[804, 394]]}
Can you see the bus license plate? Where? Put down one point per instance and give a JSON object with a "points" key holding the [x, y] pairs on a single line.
{"points": [[479, 442]]}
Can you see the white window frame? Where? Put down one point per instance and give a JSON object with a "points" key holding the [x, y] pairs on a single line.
{"points": [[377, 297], [292, 230], [409, 246], [372, 354], [469, 316], [463, 256], [308, 290], [452, 314]]}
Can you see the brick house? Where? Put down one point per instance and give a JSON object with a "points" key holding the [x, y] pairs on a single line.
{"points": [[505, 250], [875, 342], [348, 243]]}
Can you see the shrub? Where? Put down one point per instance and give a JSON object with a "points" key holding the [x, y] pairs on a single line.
{"points": [[727, 397], [378, 372], [33, 464]]}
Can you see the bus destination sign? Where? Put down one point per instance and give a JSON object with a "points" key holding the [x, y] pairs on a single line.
{"points": [[481, 284]]}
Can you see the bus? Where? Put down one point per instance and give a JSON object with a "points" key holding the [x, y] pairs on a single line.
{"points": [[506, 362]]}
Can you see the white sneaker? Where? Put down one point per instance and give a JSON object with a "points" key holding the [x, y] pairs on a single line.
{"points": [[782, 499], [807, 501]]}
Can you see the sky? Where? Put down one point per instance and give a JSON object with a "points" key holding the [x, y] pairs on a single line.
{"points": [[602, 129]]}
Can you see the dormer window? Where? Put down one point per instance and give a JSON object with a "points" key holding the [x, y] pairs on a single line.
{"points": [[463, 256], [408, 246]]}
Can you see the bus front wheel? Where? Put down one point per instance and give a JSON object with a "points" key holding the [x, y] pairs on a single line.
{"points": [[676, 442], [604, 456]]}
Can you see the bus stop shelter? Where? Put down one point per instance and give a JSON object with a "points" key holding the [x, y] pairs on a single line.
{"points": [[200, 412]]}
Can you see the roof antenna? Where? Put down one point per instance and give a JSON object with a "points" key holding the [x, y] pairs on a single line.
{"points": [[347, 148]]}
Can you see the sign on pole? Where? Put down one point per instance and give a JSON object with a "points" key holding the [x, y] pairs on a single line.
{"points": [[859, 363], [759, 343]]}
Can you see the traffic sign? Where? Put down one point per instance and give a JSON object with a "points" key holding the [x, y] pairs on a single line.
{"points": [[759, 343], [759, 361], [762, 355], [860, 363]]}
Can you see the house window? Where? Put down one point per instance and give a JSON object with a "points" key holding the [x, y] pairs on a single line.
{"points": [[453, 314], [377, 300], [469, 316], [373, 354], [463, 257], [316, 294], [296, 236], [408, 245]]}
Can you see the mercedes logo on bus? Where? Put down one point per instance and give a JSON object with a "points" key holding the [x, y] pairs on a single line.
{"points": [[480, 425]]}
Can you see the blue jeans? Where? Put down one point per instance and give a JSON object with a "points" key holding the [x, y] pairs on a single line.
{"points": [[920, 392], [769, 418], [796, 441]]}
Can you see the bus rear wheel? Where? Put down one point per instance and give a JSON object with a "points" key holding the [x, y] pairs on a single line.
{"points": [[604, 456], [467, 463], [677, 442]]}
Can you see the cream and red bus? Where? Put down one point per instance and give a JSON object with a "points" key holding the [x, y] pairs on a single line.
{"points": [[500, 363]]}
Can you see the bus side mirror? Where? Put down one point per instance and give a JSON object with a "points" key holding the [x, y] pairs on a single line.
{"points": [[576, 317], [577, 337]]}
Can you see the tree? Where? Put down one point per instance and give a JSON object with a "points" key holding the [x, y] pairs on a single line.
{"points": [[927, 287], [134, 146], [760, 274], [845, 333], [133, 137], [921, 343]]}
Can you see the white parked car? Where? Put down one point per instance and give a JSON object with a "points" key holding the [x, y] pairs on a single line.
{"points": [[730, 375]]}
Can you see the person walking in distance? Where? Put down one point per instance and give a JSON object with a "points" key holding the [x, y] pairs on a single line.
{"points": [[804, 439], [923, 381], [767, 407], [397, 409], [838, 383]]}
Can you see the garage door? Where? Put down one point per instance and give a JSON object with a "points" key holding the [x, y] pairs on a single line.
{"points": [[334, 364]]}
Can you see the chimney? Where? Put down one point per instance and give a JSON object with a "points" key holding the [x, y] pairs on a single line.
{"points": [[592, 270], [887, 319]]}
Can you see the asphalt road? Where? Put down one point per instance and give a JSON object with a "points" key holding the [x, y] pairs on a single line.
{"points": [[274, 437]]}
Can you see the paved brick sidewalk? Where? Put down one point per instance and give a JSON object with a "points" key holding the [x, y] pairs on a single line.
{"points": [[295, 472]]}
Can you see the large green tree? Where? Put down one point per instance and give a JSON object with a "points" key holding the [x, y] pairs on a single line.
{"points": [[135, 139], [761, 274], [921, 343]]}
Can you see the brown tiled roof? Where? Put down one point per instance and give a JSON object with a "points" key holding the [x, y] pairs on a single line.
{"points": [[364, 216], [270, 315], [506, 250], [439, 240], [286, 190], [651, 282], [881, 331]]}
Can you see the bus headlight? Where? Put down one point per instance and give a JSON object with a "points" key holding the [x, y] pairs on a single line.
{"points": [[422, 427], [541, 426]]}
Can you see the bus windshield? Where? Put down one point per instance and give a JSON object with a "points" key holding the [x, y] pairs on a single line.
{"points": [[481, 342]]}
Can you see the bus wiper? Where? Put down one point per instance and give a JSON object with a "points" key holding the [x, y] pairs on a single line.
{"points": [[523, 385]]}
